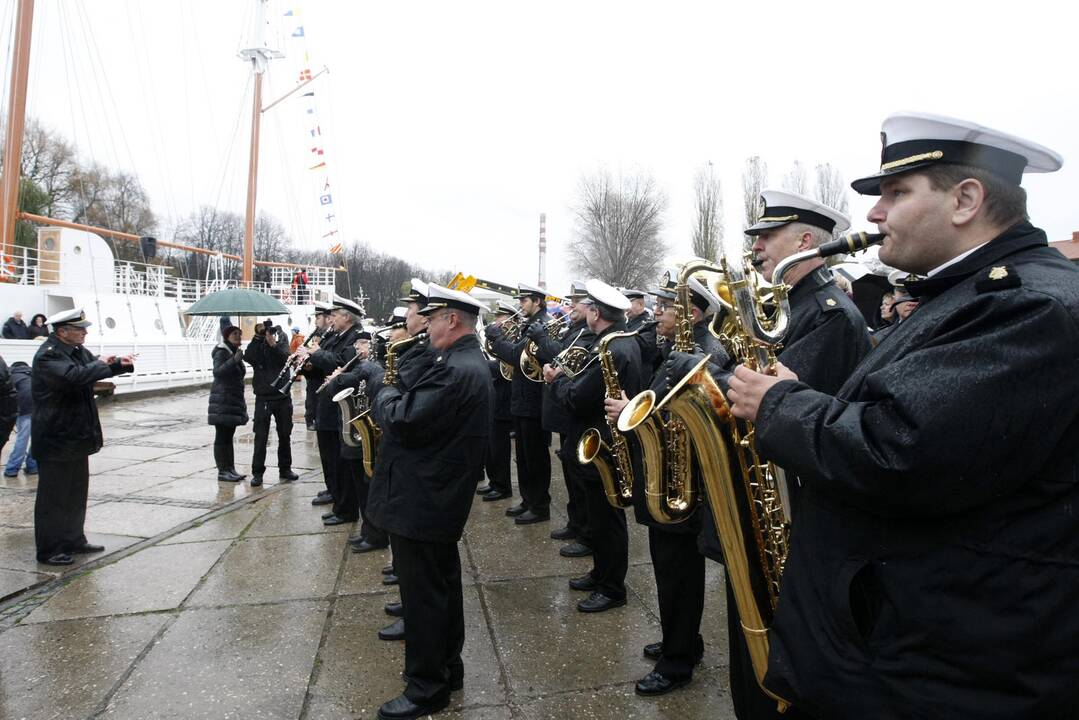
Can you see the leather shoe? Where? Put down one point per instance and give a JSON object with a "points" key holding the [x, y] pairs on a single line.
{"points": [[228, 476], [388, 570], [655, 684], [653, 651], [394, 609], [363, 547], [528, 517], [598, 602], [484, 489], [518, 509], [496, 495], [575, 549], [327, 515], [86, 549], [58, 559], [256, 480], [321, 499], [584, 583], [288, 476], [401, 708], [564, 533], [390, 579], [393, 631], [337, 520]]}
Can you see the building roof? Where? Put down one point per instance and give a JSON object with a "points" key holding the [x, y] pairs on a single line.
{"points": [[1069, 248]]}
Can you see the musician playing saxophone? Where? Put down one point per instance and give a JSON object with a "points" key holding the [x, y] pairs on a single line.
{"points": [[583, 397], [365, 373], [677, 563]]}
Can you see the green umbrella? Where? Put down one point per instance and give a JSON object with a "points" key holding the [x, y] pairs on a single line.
{"points": [[237, 301]]}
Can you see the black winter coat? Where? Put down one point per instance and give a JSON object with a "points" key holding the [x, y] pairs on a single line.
{"points": [[227, 404], [64, 424], [16, 330], [526, 396], [934, 562], [334, 352], [555, 417], [500, 394], [9, 409], [434, 439], [266, 363]]}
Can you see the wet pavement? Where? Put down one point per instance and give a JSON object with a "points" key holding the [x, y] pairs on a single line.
{"points": [[217, 600]]}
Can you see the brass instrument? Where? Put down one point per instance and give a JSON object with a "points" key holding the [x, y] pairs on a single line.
{"points": [[358, 428], [573, 359], [612, 461], [512, 327], [530, 365], [393, 353]]}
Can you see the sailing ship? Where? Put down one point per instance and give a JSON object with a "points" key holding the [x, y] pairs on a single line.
{"points": [[136, 306]]}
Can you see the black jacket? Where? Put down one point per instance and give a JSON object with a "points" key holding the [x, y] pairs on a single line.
{"points": [[16, 329], [500, 393], [334, 352], [526, 396], [64, 424], [555, 417], [266, 362], [9, 407], [434, 439], [934, 562], [227, 403], [583, 395], [20, 378], [370, 373]]}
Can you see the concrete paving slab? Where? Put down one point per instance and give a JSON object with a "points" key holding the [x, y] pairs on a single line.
{"points": [[16, 510], [548, 646], [258, 570], [111, 483], [58, 671], [224, 527], [99, 463], [162, 470], [135, 452], [157, 578], [226, 663], [17, 550], [22, 481], [362, 574], [290, 513], [199, 488], [13, 581], [137, 519]]}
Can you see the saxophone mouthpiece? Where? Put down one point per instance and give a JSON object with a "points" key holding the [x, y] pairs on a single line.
{"points": [[851, 243]]}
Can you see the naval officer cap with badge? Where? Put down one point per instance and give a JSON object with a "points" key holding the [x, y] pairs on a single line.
{"points": [[940, 481], [790, 223]]}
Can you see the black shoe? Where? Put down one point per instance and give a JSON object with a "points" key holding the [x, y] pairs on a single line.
{"points": [[530, 518], [393, 631], [327, 515], [653, 651], [401, 708], [518, 509], [337, 520], [86, 549], [584, 583], [394, 609], [565, 533], [288, 476], [388, 570], [390, 579], [655, 684], [496, 495], [58, 559], [228, 476], [256, 480], [575, 549], [363, 547], [321, 499], [598, 602], [484, 489], [239, 477]]}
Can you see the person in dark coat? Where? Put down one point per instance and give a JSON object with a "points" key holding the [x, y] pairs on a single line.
{"points": [[9, 404], [266, 354], [434, 434], [228, 408], [65, 432], [638, 313], [323, 328], [15, 327], [532, 442], [20, 452], [38, 327], [497, 463], [583, 396], [557, 419], [934, 559]]}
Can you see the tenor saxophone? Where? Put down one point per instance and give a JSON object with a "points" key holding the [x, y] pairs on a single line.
{"points": [[612, 462]]}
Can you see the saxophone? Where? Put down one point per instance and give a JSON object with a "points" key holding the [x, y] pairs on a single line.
{"points": [[612, 461], [394, 351]]}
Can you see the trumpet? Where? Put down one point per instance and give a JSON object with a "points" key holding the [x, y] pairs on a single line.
{"points": [[529, 363]]}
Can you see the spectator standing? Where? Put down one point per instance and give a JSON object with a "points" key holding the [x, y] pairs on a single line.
{"points": [[228, 409], [299, 286], [15, 328], [297, 340], [20, 378]]}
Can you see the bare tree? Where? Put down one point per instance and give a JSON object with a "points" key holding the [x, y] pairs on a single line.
{"points": [[754, 178], [708, 228], [830, 189], [617, 229], [797, 180], [49, 161]]}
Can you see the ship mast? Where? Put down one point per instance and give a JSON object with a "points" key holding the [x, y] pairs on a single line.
{"points": [[16, 119]]}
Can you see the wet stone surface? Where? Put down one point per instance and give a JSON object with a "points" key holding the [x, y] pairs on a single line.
{"points": [[220, 600]]}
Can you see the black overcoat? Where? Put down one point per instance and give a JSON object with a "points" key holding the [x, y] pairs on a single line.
{"points": [[227, 403], [934, 562], [555, 417], [334, 352], [266, 363], [526, 397], [434, 440]]}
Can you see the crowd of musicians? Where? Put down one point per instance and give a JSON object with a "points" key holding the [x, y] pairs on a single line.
{"points": [[895, 515]]}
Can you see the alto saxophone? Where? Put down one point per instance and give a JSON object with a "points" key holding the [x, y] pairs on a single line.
{"points": [[612, 461], [394, 351]]}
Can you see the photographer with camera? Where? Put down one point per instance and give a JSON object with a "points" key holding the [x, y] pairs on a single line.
{"points": [[267, 353]]}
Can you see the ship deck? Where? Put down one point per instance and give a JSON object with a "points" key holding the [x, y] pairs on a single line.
{"points": [[220, 600]]}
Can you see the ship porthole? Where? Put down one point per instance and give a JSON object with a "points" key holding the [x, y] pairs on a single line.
{"points": [[78, 249], [50, 244], [110, 323]]}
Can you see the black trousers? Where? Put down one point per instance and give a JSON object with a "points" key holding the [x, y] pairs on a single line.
{"points": [[368, 530], [576, 505], [60, 505], [430, 583], [281, 412], [533, 463], [497, 462], [310, 402], [346, 489], [679, 571], [329, 454], [610, 540]]}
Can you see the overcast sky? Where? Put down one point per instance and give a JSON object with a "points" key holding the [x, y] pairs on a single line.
{"points": [[449, 127]]}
